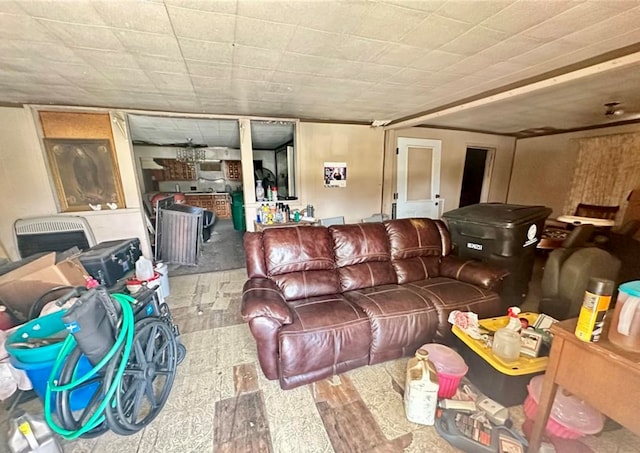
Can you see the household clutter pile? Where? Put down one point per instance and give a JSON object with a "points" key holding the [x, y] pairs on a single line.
{"points": [[437, 392], [98, 358]]}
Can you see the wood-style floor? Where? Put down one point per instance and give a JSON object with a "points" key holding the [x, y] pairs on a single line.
{"points": [[221, 402]]}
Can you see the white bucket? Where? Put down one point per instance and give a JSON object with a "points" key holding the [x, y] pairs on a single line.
{"points": [[163, 270]]}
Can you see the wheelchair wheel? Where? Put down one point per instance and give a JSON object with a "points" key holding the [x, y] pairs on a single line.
{"points": [[148, 377]]}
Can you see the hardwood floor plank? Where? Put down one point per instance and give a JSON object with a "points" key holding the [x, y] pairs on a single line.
{"points": [[245, 378], [351, 427], [240, 424], [336, 395]]}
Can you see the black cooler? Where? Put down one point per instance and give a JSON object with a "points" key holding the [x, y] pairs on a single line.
{"points": [[504, 235], [109, 261]]}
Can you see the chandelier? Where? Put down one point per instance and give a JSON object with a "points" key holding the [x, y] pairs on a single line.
{"points": [[190, 154]]}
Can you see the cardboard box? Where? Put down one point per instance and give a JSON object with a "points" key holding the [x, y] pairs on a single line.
{"points": [[21, 287]]}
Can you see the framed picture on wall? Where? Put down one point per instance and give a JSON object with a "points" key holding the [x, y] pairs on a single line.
{"points": [[85, 174]]}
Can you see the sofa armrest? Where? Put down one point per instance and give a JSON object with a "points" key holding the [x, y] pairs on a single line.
{"points": [[262, 297], [472, 271]]}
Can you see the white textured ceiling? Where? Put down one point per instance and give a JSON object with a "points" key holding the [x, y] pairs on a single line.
{"points": [[330, 60]]}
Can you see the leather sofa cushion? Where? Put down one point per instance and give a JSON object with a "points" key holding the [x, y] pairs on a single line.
{"points": [[401, 319], [448, 294], [416, 248], [362, 255], [300, 260], [329, 335]]}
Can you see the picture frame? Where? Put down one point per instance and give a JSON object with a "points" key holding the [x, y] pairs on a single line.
{"points": [[508, 444], [85, 174], [530, 342]]}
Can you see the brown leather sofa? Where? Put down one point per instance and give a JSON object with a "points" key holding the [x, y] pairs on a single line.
{"points": [[320, 301]]}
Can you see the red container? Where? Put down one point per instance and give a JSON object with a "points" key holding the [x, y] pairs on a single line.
{"points": [[450, 366]]}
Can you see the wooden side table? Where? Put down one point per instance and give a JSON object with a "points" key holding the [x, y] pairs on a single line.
{"points": [[603, 375], [264, 226]]}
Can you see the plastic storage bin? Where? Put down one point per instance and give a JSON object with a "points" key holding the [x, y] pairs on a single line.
{"points": [[504, 235], [43, 327], [39, 373], [237, 211], [570, 417], [450, 366]]}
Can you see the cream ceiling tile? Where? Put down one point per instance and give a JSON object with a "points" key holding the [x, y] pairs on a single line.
{"points": [[213, 6], [284, 13], [98, 58], [473, 41], [184, 105], [311, 42], [82, 75], [436, 60], [400, 55], [337, 17], [143, 43], [170, 81], [412, 76], [155, 63], [65, 11], [256, 58], [211, 86], [12, 7], [581, 16], [214, 52], [371, 72], [247, 73], [622, 23], [44, 50], [14, 26], [544, 52], [127, 77], [258, 33], [210, 70], [375, 22], [87, 36], [357, 49], [418, 5], [202, 25], [149, 16], [470, 65], [510, 47], [521, 15], [435, 31], [473, 12]]}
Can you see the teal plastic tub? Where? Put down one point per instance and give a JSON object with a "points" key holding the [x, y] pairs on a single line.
{"points": [[47, 326]]}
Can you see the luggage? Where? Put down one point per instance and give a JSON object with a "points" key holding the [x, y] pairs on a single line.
{"points": [[110, 261]]}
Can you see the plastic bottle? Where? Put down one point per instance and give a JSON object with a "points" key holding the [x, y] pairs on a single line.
{"points": [[30, 433], [144, 269], [274, 193], [258, 215], [421, 389], [259, 190], [514, 322], [596, 301]]}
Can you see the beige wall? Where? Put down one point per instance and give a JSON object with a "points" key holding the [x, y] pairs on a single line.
{"points": [[454, 148], [361, 147], [543, 167], [28, 192]]}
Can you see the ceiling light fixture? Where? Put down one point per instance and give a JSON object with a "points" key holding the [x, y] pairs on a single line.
{"points": [[190, 155], [379, 123], [612, 109]]}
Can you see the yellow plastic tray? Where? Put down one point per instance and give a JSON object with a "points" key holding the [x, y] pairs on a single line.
{"points": [[524, 365]]}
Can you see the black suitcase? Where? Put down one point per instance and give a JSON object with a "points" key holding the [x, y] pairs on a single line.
{"points": [[109, 261]]}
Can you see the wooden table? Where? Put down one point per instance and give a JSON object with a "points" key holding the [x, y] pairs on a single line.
{"points": [[577, 220], [601, 374], [264, 226]]}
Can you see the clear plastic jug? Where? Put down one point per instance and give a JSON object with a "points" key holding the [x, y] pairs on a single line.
{"points": [[144, 269], [625, 324]]}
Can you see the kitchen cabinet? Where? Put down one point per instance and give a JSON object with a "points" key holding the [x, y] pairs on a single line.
{"points": [[174, 170], [233, 170], [220, 203]]}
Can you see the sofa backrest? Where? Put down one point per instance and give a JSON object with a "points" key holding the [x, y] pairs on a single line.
{"points": [[416, 247], [362, 255], [317, 261], [299, 260]]}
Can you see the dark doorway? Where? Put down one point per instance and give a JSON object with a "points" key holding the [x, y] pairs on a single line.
{"points": [[473, 176]]}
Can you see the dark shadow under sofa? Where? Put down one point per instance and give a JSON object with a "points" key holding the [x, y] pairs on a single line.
{"points": [[320, 301]]}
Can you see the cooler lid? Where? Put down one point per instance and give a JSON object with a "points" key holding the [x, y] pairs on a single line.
{"points": [[499, 214], [445, 359], [631, 288]]}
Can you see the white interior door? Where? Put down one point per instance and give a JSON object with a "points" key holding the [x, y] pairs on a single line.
{"points": [[418, 178]]}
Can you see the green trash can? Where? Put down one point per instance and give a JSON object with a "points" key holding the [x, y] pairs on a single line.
{"points": [[237, 211]]}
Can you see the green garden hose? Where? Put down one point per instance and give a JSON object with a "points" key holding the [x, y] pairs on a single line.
{"points": [[124, 342]]}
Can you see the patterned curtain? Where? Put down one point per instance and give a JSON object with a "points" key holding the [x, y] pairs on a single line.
{"points": [[608, 169]]}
